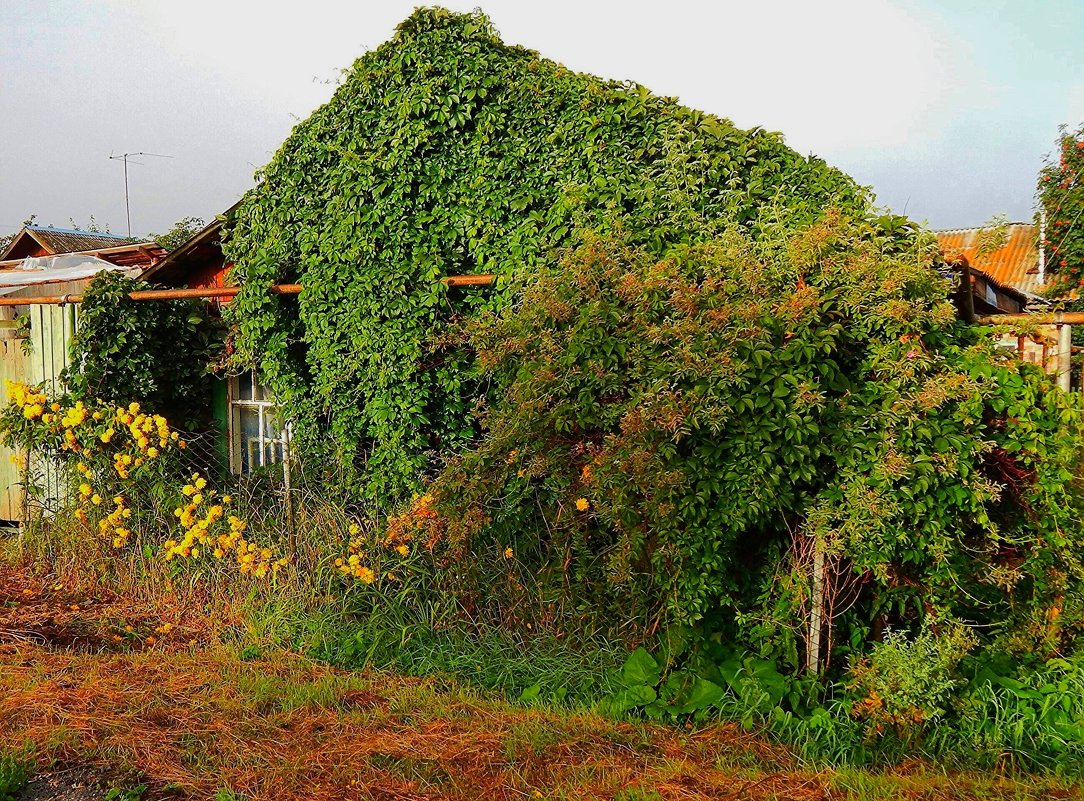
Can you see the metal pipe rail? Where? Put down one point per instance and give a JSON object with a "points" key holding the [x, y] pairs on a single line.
{"points": [[219, 292]]}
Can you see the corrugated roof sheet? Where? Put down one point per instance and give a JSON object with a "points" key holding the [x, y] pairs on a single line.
{"points": [[1015, 264], [65, 240]]}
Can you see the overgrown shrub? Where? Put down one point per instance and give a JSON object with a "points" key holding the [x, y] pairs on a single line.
{"points": [[906, 682], [127, 475], [669, 434], [157, 353]]}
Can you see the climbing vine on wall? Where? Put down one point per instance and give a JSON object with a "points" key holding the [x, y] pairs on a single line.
{"points": [[157, 353], [445, 151]]}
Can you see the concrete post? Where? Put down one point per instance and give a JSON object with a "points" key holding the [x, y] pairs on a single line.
{"points": [[1065, 352]]}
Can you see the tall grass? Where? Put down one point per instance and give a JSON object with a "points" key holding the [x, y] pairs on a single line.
{"points": [[310, 607], [1019, 720]]}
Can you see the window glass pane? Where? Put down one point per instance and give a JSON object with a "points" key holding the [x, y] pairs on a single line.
{"points": [[245, 387], [260, 392], [249, 433], [256, 443], [272, 426]]}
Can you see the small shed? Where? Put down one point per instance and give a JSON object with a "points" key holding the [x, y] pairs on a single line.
{"points": [[1008, 277], [34, 338]]}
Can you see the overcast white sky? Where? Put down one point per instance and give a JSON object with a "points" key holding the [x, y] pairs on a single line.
{"points": [[945, 108]]}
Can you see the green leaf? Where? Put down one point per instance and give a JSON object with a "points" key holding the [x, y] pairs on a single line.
{"points": [[640, 668]]}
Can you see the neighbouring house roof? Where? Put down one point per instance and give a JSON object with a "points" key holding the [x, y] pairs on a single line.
{"points": [[198, 262], [177, 266], [36, 241], [68, 240], [1015, 264]]}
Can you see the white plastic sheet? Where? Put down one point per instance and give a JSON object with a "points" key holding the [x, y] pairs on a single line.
{"points": [[35, 270]]}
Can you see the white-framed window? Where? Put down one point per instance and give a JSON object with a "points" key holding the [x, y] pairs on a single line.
{"points": [[258, 437]]}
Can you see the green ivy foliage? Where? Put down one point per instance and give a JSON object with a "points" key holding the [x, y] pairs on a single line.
{"points": [[445, 152], [668, 432], [157, 353]]}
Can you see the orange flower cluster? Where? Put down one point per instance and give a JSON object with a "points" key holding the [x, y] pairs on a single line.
{"points": [[419, 521], [366, 555], [113, 525], [30, 403]]}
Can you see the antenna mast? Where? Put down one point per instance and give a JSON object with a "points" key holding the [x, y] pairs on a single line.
{"points": [[124, 157]]}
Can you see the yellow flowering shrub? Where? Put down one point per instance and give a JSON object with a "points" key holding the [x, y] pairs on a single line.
{"points": [[209, 529], [390, 554], [118, 452]]}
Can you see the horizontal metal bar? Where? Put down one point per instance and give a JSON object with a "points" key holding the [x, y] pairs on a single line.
{"points": [[483, 279], [218, 292], [1045, 318]]}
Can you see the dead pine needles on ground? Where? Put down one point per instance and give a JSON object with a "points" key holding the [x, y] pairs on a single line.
{"points": [[95, 681]]}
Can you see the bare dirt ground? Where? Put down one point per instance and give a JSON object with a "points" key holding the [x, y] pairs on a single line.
{"points": [[110, 694]]}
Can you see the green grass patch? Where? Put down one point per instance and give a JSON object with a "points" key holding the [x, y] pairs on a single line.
{"points": [[15, 771]]}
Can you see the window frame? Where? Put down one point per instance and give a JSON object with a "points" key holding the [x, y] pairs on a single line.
{"points": [[236, 404]]}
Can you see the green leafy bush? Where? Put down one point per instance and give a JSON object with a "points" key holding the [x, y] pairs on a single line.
{"points": [[155, 353], [1061, 198], [14, 773], [445, 151], [668, 433], [907, 682]]}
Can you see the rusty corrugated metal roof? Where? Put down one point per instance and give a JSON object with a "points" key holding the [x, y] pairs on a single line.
{"points": [[65, 240], [1015, 264]]}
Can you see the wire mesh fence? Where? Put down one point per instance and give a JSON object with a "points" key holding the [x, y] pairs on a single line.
{"points": [[190, 483]]}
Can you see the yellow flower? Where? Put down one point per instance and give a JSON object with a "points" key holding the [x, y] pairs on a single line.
{"points": [[366, 575], [95, 499], [402, 550], [152, 452], [583, 504], [227, 499], [85, 490], [507, 553], [133, 408], [201, 483]]}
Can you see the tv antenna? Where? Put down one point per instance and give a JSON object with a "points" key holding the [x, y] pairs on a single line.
{"points": [[125, 157]]}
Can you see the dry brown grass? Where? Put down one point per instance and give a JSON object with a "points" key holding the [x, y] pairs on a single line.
{"points": [[192, 719]]}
